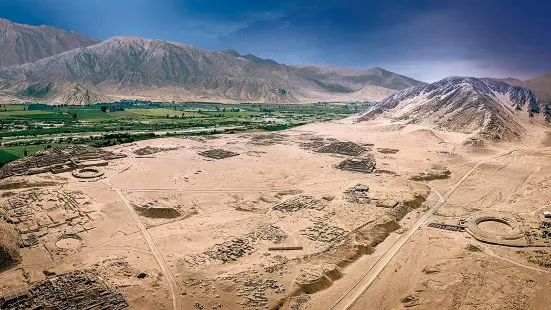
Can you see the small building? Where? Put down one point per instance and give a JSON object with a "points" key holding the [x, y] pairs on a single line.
{"points": [[546, 214]]}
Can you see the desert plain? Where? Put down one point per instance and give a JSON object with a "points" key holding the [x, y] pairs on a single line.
{"points": [[334, 215]]}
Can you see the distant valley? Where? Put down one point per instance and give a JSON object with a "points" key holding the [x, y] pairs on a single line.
{"points": [[133, 67]]}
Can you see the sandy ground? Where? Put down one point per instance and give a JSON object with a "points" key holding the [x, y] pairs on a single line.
{"points": [[201, 228]]}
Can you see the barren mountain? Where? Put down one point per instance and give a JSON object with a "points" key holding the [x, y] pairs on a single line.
{"points": [[22, 43], [541, 85], [131, 67], [490, 109]]}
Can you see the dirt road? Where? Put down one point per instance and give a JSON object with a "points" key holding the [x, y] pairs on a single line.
{"points": [[174, 290], [348, 300]]}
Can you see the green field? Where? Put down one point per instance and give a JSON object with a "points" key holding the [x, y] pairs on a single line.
{"points": [[34, 126], [11, 153]]}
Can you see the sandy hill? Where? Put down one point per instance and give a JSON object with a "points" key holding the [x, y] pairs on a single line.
{"points": [[491, 109], [133, 67], [541, 85], [22, 43]]}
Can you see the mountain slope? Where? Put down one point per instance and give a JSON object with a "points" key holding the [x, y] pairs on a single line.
{"points": [[358, 79], [131, 67], [541, 85], [484, 107], [22, 43]]}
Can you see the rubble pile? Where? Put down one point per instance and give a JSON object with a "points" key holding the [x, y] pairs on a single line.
{"points": [[74, 290], [357, 194], [218, 154], [298, 203], [343, 148], [365, 164], [58, 160]]}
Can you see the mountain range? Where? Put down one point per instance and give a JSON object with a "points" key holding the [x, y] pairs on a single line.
{"points": [[21, 44], [486, 108], [44, 64], [138, 68]]}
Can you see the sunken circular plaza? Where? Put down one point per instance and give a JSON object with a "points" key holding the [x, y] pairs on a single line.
{"points": [[496, 229], [88, 173]]}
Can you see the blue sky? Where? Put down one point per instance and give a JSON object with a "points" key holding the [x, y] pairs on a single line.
{"points": [[423, 39]]}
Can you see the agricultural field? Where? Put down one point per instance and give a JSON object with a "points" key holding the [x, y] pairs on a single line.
{"points": [[31, 127]]}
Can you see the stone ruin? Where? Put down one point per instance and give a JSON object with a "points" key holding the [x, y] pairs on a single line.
{"points": [[39, 216], [201, 138], [230, 251], [323, 232], [298, 203], [434, 173], [541, 258], [539, 235], [218, 154], [81, 289], [148, 150], [58, 160], [312, 142], [267, 139], [343, 148], [357, 194], [254, 290], [365, 164], [238, 247]]}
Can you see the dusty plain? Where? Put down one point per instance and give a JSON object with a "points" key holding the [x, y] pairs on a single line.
{"points": [[268, 221]]}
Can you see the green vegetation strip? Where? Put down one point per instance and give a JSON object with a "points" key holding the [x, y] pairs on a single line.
{"points": [[33, 127]]}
